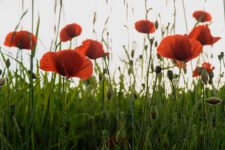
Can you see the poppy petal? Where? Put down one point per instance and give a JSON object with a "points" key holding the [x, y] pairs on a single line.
{"points": [[70, 31], [92, 49], [203, 16], [48, 62], [196, 48], [86, 70], [203, 35], [145, 26]]}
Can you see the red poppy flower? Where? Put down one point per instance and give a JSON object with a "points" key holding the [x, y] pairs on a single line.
{"points": [[92, 49], [70, 31], [112, 141], [68, 63], [203, 35], [21, 40], [205, 65], [202, 16], [145, 26], [179, 47]]}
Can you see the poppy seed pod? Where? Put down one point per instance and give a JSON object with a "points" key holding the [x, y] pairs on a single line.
{"points": [[213, 100], [156, 24], [100, 76], [158, 69], [109, 93], [7, 63], [153, 113], [2, 81], [210, 81], [211, 74], [170, 75], [204, 76]]}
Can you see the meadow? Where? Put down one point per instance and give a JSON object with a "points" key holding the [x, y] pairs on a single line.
{"points": [[71, 98]]}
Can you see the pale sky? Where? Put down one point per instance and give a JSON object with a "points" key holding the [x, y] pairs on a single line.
{"points": [[82, 11]]}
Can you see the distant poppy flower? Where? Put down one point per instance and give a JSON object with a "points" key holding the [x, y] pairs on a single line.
{"points": [[92, 49], [205, 65], [179, 48], [202, 16], [145, 26], [68, 63], [21, 40], [70, 31], [112, 141], [203, 35]]}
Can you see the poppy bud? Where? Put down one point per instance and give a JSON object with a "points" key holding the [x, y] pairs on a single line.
{"points": [[109, 93], [146, 47], [156, 43], [0, 71], [219, 57], [153, 113], [7, 63], [100, 76], [151, 41], [222, 54], [2, 81], [119, 68], [131, 62], [156, 24], [132, 53], [213, 100], [210, 81], [204, 76], [199, 70], [211, 74], [143, 85], [105, 71], [170, 75], [33, 75], [158, 69], [141, 56]]}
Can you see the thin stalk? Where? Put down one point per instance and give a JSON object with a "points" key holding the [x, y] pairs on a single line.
{"points": [[64, 117], [185, 16], [103, 89]]}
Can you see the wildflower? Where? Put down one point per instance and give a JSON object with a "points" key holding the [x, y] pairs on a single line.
{"points": [[179, 48], [92, 49], [198, 70], [68, 63], [203, 35], [202, 16], [21, 40], [70, 31], [145, 26]]}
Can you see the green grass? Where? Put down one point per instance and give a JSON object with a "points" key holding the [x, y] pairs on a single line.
{"points": [[49, 112]]}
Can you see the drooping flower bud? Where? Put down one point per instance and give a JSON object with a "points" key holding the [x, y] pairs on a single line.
{"points": [[2, 81], [204, 76], [170, 75], [158, 69], [213, 100]]}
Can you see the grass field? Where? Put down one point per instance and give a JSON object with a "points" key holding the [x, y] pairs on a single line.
{"points": [[139, 105]]}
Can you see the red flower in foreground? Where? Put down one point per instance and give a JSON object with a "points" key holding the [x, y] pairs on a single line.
{"points": [[70, 31], [205, 65], [92, 49], [21, 40], [145, 26], [202, 16], [68, 63], [179, 47], [203, 35]]}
